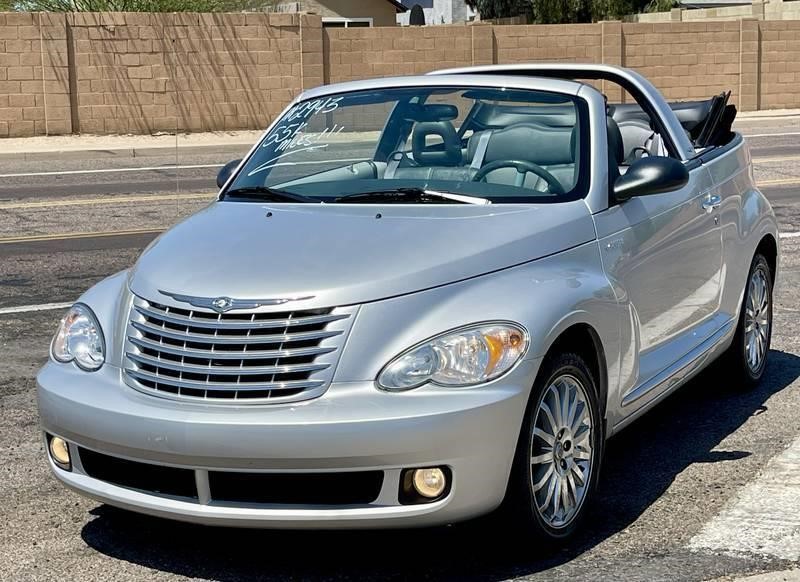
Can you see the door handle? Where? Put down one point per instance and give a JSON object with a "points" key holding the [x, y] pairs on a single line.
{"points": [[711, 203]]}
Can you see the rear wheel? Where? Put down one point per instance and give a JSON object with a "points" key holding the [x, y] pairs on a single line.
{"points": [[558, 456], [747, 356]]}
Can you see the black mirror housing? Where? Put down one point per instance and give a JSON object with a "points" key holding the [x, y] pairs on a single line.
{"points": [[651, 175], [226, 172]]}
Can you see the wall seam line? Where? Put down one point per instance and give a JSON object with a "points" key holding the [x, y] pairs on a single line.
{"points": [[44, 85]]}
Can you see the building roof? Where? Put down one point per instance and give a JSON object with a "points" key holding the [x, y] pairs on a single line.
{"points": [[398, 5], [713, 3]]}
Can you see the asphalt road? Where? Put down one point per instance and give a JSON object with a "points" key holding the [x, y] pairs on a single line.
{"points": [[667, 479]]}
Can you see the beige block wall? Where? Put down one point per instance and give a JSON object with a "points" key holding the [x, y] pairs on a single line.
{"points": [[767, 10], [780, 64], [358, 53], [34, 81], [560, 42], [679, 59], [144, 73], [565, 42], [782, 11]]}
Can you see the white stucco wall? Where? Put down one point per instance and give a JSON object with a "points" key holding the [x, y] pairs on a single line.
{"points": [[441, 12]]}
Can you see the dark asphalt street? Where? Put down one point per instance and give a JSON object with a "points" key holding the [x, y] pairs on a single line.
{"points": [[665, 479]]}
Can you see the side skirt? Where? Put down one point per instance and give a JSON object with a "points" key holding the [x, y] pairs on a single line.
{"points": [[675, 375]]}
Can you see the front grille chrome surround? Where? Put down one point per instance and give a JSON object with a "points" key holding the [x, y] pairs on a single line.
{"points": [[260, 356]]}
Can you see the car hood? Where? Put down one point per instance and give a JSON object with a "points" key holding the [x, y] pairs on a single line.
{"points": [[346, 254]]}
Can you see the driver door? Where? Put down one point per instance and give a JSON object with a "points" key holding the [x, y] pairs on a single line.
{"points": [[663, 252]]}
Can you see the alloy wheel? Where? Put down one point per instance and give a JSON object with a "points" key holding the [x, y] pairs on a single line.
{"points": [[757, 320], [561, 451]]}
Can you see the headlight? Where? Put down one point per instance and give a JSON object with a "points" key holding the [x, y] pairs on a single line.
{"points": [[462, 357], [79, 339]]}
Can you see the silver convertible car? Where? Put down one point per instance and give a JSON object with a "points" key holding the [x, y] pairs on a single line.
{"points": [[418, 300]]}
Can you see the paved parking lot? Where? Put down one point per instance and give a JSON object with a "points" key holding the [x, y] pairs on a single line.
{"points": [[706, 486]]}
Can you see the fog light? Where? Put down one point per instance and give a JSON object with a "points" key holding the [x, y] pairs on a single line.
{"points": [[59, 450], [429, 483]]}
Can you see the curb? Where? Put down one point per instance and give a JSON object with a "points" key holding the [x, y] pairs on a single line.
{"points": [[784, 576], [768, 114], [78, 154]]}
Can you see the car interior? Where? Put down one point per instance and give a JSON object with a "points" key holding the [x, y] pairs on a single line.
{"points": [[530, 146], [508, 144]]}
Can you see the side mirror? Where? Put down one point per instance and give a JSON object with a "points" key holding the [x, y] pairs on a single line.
{"points": [[226, 172], [651, 175]]}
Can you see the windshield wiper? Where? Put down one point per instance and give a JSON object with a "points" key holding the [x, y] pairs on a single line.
{"points": [[418, 194], [267, 193]]}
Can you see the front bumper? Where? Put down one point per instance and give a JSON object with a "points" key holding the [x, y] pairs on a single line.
{"points": [[352, 427]]}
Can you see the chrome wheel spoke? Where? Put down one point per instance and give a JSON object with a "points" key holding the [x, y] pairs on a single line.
{"points": [[557, 496], [541, 483], [762, 297], [578, 474], [557, 404], [566, 505], [573, 408], [572, 491], [548, 438], [581, 437], [581, 421], [549, 415], [550, 490], [564, 398]]}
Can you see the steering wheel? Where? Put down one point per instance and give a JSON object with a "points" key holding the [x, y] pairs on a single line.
{"points": [[523, 167]]}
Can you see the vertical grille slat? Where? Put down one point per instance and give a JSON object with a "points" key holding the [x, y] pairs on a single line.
{"points": [[243, 357]]}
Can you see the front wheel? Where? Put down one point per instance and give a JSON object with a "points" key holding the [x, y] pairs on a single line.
{"points": [[747, 356], [559, 452]]}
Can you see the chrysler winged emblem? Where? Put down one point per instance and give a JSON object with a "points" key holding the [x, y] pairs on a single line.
{"points": [[223, 304]]}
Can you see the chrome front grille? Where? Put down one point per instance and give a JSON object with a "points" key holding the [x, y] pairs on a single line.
{"points": [[235, 357]]}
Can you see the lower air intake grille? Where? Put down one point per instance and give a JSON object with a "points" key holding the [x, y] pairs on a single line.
{"points": [[155, 479], [231, 488]]}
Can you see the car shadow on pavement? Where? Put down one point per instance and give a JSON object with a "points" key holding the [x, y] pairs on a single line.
{"points": [[641, 463]]}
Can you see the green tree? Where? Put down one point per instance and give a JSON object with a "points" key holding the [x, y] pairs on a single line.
{"points": [[139, 5], [660, 5], [561, 11], [566, 11], [489, 9]]}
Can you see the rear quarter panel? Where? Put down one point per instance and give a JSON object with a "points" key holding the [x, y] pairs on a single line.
{"points": [[746, 217]]}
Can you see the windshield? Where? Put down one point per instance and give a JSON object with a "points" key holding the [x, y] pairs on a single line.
{"points": [[494, 144]]}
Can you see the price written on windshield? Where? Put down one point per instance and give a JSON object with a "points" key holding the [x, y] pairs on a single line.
{"points": [[291, 135]]}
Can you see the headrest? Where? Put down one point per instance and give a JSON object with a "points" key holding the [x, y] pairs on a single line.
{"points": [[446, 154], [430, 112], [616, 147], [542, 144]]}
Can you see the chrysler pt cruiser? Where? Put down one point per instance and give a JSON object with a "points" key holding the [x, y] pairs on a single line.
{"points": [[417, 300]]}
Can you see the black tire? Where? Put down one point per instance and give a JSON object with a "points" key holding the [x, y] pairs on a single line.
{"points": [[520, 505], [735, 361]]}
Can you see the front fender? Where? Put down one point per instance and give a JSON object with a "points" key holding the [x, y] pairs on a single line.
{"points": [[546, 296]]}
